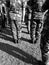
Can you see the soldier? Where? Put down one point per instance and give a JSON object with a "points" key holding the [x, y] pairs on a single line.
{"points": [[36, 17], [12, 21], [15, 23]]}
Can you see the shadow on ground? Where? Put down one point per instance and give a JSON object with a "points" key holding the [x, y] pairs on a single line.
{"points": [[6, 30], [25, 32], [20, 54], [27, 40], [16, 52], [5, 34]]}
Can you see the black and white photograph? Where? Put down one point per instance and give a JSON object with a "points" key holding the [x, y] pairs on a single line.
{"points": [[24, 32]]}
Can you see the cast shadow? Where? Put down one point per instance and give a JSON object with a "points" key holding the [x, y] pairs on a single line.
{"points": [[20, 54], [6, 31], [6, 34], [25, 32], [27, 40]]}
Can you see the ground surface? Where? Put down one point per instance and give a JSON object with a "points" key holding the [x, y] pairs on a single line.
{"points": [[23, 53]]}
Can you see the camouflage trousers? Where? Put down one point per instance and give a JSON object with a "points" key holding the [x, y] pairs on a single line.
{"points": [[36, 25], [16, 30]]}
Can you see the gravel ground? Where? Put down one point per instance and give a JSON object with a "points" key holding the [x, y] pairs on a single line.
{"points": [[23, 53]]}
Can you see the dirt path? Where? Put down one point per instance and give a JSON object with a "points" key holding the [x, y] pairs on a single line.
{"points": [[23, 53]]}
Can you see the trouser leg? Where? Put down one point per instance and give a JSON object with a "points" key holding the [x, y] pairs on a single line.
{"points": [[3, 21], [29, 22], [32, 30], [19, 29], [14, 31]]}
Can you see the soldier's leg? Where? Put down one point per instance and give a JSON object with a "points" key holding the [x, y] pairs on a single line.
{"points": [[8, 17], [39, 29], [32, 30], [3, 21], [29, 22], [37, 35], [14, 32], [28, 27], [19, 30], [26, 21]]}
